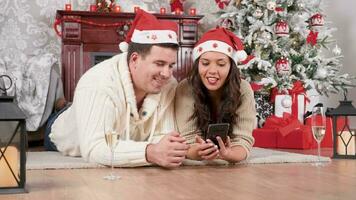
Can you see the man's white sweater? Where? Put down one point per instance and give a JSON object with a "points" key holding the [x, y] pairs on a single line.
{"points": [[79, 131]]}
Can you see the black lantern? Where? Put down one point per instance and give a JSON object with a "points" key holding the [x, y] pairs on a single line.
{"points": [[344, 137], [12, 144]]}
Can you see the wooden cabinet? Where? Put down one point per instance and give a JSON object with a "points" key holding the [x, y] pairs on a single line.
{"points": [[90, 37]]}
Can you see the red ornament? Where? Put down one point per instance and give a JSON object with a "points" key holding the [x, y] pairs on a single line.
{"points": [[93, 7], [279, 9], [317, 20], [222, 3], [281, 28], [312, 38], [283, 66], [117, 8]]}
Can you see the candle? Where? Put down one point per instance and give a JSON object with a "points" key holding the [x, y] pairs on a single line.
{"points": [[192, 11], [117, 8], [178, 11], [68, 7], [12, 156], [136, 8], [162, 10], [93, 8], [341, 147]]}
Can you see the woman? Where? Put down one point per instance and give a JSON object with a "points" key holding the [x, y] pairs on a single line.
{"points": [[214, 93]]}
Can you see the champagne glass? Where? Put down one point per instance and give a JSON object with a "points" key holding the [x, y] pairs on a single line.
{"points": [[318, 128], [112, 139]]}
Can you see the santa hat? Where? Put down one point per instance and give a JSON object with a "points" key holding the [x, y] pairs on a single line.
{"points": [[223, 41], [147, 29]]}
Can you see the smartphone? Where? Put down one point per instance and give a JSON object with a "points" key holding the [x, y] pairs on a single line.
{"points": [[214, 130]]}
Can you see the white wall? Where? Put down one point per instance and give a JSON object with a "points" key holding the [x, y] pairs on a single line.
{"points": [[342, 14]]}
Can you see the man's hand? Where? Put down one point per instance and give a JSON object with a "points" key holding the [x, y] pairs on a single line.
{"points": [[169, 152]]}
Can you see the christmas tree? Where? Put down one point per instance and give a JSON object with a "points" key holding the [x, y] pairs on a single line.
{"points": [[288, 41]]}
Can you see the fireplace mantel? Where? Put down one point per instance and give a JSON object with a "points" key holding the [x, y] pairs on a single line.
{"points": [[86, 34]]}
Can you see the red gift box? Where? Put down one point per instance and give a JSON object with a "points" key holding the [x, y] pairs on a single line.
{"points": [[328, 138], [286, 132], [266, 138], [301, 138]]}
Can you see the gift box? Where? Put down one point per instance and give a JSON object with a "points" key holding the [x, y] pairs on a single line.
{"points": [[328, 138], [284, 132], [301, 138], [265, 138], [286, 104], [314, 98], [264, 108]]}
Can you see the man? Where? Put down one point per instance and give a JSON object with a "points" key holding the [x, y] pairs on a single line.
{"points": [[132, 92]]}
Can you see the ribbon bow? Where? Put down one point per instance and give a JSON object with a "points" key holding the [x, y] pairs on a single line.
{"points": [[284, 125]]}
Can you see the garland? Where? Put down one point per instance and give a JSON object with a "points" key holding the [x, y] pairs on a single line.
{"points": [[58, 21]]}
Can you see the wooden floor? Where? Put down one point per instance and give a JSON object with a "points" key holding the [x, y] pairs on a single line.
{"points": [[261, 181]]}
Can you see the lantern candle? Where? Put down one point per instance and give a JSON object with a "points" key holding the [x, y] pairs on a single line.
{"points": [[341, 147], [178, 11], [93, 8], [192, 11], [117, 8], [7, 179], [162, 10], [136, 8], [68, 7]]}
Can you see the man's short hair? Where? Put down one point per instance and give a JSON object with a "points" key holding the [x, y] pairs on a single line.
{"points": [[144, 49]]}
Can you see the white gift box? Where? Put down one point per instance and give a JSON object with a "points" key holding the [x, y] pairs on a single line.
{"points": [[314, 98], [283, 103]]}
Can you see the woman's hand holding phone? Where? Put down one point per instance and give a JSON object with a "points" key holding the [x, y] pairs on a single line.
{"points": [[206, 150], [225, 148]]}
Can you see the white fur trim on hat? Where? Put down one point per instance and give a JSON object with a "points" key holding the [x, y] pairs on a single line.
{"points": [[241, 55], [123, 46], [154, 36], [218, 46]]}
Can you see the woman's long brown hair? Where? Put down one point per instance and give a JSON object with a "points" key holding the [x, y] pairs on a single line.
{"points": [[230, 99]]}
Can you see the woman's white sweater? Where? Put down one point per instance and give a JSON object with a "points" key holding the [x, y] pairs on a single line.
{"points": [[242, 129]]}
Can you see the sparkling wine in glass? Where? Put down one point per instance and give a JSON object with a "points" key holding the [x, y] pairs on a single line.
{"points": [[112, 139], [318, 128]]}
